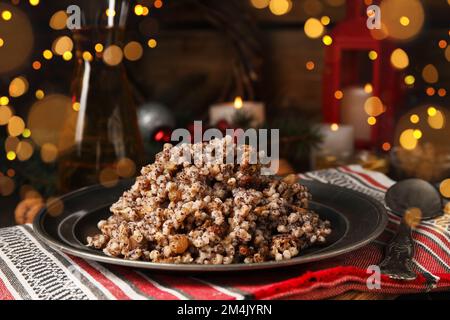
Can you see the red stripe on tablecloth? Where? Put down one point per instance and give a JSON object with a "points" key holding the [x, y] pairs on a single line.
{"points": [[310, 280], [197, 289], [427, 260], [433, 246], [101, 278], [366, 177], [4, 292], [145, 286], [436, 233]]}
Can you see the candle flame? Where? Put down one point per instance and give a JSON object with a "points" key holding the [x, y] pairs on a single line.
{"points": [[334, 127], [238, 104]]}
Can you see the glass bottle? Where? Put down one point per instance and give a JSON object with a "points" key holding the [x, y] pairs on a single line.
{"points": [[104, 125]]}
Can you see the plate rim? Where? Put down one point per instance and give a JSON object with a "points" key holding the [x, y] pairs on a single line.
{"points": [[172, 267]]}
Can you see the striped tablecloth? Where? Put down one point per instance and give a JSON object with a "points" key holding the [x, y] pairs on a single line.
{"points": [[31, 270]]}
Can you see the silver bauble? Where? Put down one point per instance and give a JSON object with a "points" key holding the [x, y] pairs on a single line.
{"points": [[153, 116]]}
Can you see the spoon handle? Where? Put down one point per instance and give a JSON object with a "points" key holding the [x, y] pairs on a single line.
{"points": [[397, 263]]}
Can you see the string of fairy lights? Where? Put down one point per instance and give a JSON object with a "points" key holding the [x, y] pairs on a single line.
{"points": [[402, 21]]}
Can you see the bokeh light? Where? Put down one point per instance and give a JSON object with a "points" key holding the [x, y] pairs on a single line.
{"points": [[432, 111], [430, 74], [18, 87], [24, 150], [62, 45], [444, 188], [327, 40], [260, 4], [11, 155], [410, 80], [404, 21], [368, 88], [113, 55], [11, 144], [108, 177], [7, 186], [26, 133], [87, 56], [436, 120], [413, 216], [58, 21], [5, 114], [125, 168], [76, 106], [39, 94], [110, 12], [414, 118], [339, 94], [67, 55], [152, 43], [386, 146], [373, 55], [6, 15], [16, 125], [36, 65], [133, 51], [309, 65], [57, 129], [18, 37], [49, 152], [373, 106], [4, 101], [54, 206], [430, 91], [47, 54], [371, 121], [313, 28], [407, 139], [399, 59], [280, 7], [417, 134], [399, 26], [325, 20], [138, 10], [98, 48]]}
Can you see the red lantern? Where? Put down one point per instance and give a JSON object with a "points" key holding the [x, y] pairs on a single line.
{"points": [[349, 38]]}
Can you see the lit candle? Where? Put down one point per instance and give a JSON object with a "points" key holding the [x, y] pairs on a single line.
{"points": [[228, 110], [337, 144]]}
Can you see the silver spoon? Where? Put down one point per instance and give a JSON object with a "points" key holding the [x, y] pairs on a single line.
{"points": [[401, 198]]}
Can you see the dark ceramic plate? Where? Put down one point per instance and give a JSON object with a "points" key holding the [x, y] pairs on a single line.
{"points": [[356, 220]]}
